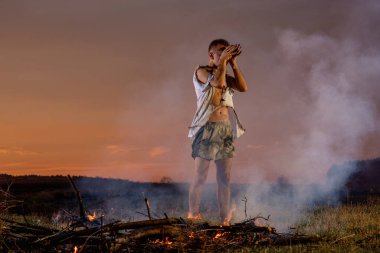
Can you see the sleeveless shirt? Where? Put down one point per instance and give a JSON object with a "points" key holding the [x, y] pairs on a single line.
{"points": [[205, 107]]}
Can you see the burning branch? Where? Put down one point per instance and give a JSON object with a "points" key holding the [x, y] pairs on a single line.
{"points": [[153, 235]]}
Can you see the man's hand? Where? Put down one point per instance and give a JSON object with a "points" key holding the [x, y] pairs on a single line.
{"points": [[235, 54], [229, 53], [237, 82]]}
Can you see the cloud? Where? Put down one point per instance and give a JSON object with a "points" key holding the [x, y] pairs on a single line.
{"points": [[119, 149], [158, 151], [16, 151]]}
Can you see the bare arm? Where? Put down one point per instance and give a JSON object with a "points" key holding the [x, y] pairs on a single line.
{"points": [[219, 80], [238, 82]]}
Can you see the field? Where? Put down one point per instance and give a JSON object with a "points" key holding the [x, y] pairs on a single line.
{"points": [[349, 227]]}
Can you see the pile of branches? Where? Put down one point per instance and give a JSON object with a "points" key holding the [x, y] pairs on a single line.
{"points": [[158, 235], [88, 233]]}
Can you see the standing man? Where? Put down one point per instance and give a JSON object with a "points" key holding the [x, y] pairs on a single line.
{"points": [[215, 125]]}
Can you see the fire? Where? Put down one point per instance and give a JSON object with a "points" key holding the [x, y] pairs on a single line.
{"points": [[229, 216], [75, 249], [91, 217], [167, 241], [164, 242], [220, 234], [194, 217]]}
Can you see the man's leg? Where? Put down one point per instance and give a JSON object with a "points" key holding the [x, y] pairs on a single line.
{"points": [[201, 167], [223, 171]]}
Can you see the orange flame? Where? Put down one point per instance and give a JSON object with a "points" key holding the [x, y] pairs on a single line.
{"points": [[194, 217], [220, 234], [75, 249], [165, 242], [229, 216], [91, 217]]}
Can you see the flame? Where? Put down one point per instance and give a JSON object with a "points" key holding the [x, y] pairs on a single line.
{"points": [[75, 249], [220, 234], [227, 220], [91, 217], [194, 217], [165, 242]]}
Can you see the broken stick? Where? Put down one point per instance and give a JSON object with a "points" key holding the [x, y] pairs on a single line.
{"points": [[82, 212], [148, 208]]}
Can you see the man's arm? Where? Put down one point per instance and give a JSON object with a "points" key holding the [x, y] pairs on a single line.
{"points": [[219, 80], [238, 81]]}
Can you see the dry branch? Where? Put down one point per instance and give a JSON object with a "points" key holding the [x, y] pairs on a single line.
{"points": [[82, 212]]}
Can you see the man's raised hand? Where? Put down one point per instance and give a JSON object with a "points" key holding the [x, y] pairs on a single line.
{"points": [[228, 53], [236, 52]]}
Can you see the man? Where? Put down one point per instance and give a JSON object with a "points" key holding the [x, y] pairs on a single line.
{"points": [[215, 124]]}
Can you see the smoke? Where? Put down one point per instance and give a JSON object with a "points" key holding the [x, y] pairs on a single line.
{"points": [[338, 111]]}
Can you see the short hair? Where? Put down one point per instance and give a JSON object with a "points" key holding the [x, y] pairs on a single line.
{"points": [[216, 42]]}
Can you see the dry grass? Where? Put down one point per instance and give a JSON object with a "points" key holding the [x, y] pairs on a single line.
{"points": [[346, 228]]}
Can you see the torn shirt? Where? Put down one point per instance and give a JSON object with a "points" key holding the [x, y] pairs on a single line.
{"points": [[205, 107]]}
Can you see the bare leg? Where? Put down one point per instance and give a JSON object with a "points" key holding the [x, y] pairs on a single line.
{"points": [[223, 171], [201, 167]]}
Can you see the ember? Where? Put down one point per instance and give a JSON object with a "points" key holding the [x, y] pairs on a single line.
{"points": [[220, 234], [91, 217], [164, 242]]}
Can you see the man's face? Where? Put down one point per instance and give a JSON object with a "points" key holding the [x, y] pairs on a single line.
{"points": [[216, 52]]}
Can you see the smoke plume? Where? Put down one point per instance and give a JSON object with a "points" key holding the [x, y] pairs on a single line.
{"points": [[339, 111]]}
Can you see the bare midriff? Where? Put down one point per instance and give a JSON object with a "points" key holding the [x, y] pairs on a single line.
{"points": [[219, 115]]}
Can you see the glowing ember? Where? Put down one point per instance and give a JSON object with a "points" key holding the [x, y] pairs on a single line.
{"points": [[220, 234], [165, 242], [229, 216], [194, 217], [91, 217]]}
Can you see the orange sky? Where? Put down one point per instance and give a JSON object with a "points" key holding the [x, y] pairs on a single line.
{"points": [[103, 88]]}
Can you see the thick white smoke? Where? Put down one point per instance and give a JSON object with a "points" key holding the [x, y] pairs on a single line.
{"points": [[339, 113]]}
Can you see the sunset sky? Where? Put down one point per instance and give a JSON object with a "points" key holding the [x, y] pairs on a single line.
{"points": [[104, 88]]}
